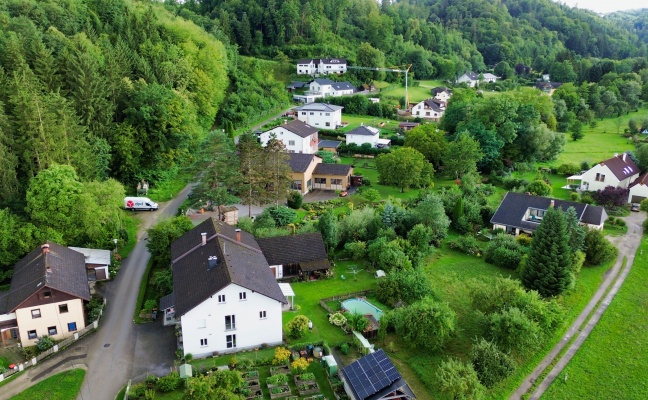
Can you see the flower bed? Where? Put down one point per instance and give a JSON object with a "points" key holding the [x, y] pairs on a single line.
{"points": [[304, 378], [250, 375], [279, 391], [308, 388], [253, 384], [280, 369], [256, 394]]}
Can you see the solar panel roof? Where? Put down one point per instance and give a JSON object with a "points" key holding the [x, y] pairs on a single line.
{"points": [[370, 374]]}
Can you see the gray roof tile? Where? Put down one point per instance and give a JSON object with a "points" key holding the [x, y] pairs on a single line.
{"points": [[293, 249], [333, 169], [299, 128], [299, 162]]}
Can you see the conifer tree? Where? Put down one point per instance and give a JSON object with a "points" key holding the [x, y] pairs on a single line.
{"points": [[548, 265]]}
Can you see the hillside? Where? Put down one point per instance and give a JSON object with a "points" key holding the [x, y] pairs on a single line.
{"points": [[635, 21]]}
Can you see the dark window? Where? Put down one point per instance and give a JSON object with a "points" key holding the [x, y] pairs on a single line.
{"points": [[231, 341], [63, 308], [31, 334], [262, 314], [242, 296], [230, 322], [72, 327], [36, 313], [203, 342], [47, 294], [52, 331], [221, 298]]}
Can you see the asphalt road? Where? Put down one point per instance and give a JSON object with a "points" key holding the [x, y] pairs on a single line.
{"points": [[112, 353]]}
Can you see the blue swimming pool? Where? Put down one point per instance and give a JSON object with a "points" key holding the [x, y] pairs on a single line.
{"points": [[362, 307]]}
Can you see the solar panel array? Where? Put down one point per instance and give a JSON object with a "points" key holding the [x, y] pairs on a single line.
{"points": [[371, 373]]}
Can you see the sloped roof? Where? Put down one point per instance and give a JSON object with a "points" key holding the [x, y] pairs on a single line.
{"points": [[60, 268], [299, 162], [621, 166], [299, 128], [364, 131], [296, 85], [323, 81], [408, 124], [304, 61], [167, 301], [374, 376], [333, 169], [470, 75], [294, 249], [241, 263], [323, 107], [641, 180], [333, 61], [433, 104], [441, 89], [3, 302], [329, 143], [343, 86], [514, 206], [489, 75], [94, 256]]}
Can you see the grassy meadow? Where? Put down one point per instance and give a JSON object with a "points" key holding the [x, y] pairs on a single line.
{"points": [[63, 386]]}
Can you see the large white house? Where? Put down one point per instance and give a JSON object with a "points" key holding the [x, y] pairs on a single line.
{"points": [[618, 171], [312, 66], [366, 134], [442, 93], [296, 135], [225, 295], [320, 115], [431, 109], [327, 87], [639, 189], [472, 79], [48, 290]]}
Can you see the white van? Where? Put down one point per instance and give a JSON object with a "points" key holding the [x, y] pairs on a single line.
{"points": [[140, 203]]}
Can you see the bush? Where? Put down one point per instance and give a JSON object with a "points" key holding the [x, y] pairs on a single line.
{"points": [[598, 249], [281, 355], [643, 206], [539, 188], [168, 383], [569, 169], [344, 348], [491, 364], [337, 319], [524, 239], [282, 215], [295, 200], [44, 343], [514, 183], [297, 327], [466, 244], [504, 251], [356, 250], [574, 196]]}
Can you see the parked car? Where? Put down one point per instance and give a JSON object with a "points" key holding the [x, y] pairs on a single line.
{"points": [[634, 207]]}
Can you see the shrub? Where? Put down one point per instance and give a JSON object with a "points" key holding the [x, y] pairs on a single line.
{"points": [[278, 380], [44, 343], [168, 383], [295, 200], [513, 330], [569, 169], [282, 215], [539, 188], [281, 355], [514, 183], [491, 364], [232, 362], [356, 250], [299, 365], [466, 244], [297, 327], [524, 239], [574, 196], [344, 347], [643, 206], [504, 251], [598, 249], [337, 319]]}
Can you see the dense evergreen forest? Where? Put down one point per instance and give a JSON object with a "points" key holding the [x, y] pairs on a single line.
{"points": [[635, 21]]}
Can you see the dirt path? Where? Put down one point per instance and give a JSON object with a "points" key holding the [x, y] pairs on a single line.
{"points": [[627, 245]]}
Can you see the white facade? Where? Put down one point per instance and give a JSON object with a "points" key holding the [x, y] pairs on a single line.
{"points": [[306, 67], [293, 142], [489, 78], [465, 78], [443, 96], [362, 139], [57, 320], [600, 176], [638, 192], [423, 110], [320, 115], [324, 89], [332, 66], [256, 321]]}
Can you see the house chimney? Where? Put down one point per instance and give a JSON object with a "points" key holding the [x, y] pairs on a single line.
{"points": [[204, 238], [285, 121], [238, 235], [616, 154], [551, 204], [45, 248], [361, 123], [624, 156]]}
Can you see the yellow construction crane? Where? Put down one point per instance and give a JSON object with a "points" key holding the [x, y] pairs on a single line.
{"points": [[393, 69]]}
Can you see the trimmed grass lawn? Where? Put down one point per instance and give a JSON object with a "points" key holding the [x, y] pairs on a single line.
{"points": [[557, 182], [165, 191], [131, 224], [389, 129], [612, 363], [367, 168], [415, 93], [63, 386]]}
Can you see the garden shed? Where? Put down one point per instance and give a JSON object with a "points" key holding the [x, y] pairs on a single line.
{"points": [[330, 364]]}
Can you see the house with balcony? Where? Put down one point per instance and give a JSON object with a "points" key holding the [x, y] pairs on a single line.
{"points": [[522, 213], [320, 115], [325, 66], [48, 290], [297, 136], [225, 297], [618, 171], [430, 109], [308, 173]]}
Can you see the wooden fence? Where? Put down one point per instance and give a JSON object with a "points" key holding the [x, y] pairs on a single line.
{"points": [[342, 297]]}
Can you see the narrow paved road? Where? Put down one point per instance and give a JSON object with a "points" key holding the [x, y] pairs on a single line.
{"points": [[111, 355], [627, 245]]}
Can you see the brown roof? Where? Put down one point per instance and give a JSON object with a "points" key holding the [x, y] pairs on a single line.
{"points": [[641, 180], [295, 249], [299, 128], [621, 166], [333, 169], [60, 268], [241, 263]]}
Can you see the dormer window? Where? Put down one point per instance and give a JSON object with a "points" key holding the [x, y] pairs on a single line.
{"points": [[535, 215]]}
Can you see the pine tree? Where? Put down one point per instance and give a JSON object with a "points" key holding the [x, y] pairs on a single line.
{"points": [[547, 268], [253, 189], [278, 170]]}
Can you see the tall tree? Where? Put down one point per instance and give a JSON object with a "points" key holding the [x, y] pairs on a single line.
{"points": [[460, 380], [253, 187], [404, 167], [278, 169], [462, 156], [548, 265], [429, 141]]}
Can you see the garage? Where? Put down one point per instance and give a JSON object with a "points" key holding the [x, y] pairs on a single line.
{"points": [[636, 199]]}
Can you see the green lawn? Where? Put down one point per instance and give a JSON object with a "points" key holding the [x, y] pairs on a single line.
{"points": [[131, 225], [354, 121], [370, 172], [557, 182], [63, 386], [4, 362], [415, 93], [612, 363]]}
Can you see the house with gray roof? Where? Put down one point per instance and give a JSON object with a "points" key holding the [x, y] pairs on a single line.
{"points": [[366, 134], [312, 66], [296, 135], [48, 290], [430, 109], [301, 255], [225, 296], [523, 213], [320, 115]]}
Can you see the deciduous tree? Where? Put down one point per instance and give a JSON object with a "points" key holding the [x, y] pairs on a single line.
{"points": [[425, 324], [404, 167], [460, 380]]}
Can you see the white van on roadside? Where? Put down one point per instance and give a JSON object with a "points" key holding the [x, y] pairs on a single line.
{"points": [[139, 203]]}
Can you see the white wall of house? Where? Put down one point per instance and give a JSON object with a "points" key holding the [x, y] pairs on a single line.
{"points": [[321, 119], [294, 143], [204, 330], [443, 96], [466, 79], [362, 139], [638, 191], [341, 92], [420, 110], [598, 177], [278, 270], [50, 316], [315, 87], [306, 69], [332, 68]]}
